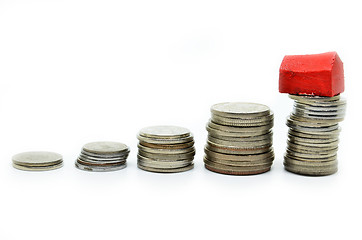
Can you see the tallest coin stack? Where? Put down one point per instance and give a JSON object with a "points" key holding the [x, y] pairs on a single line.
{"points": [[314, 82]]}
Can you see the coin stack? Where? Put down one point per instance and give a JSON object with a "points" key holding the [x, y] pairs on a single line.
{"points": [[240, 139], [37, 161], [102, 156], [313, 135], [165, 149]]}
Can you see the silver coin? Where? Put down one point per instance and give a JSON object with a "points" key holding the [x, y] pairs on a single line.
{"points": [[333, 144], [164, 132], [235, 129], [37, 168], [240, 143], [310, 124], [341, 106], [240, 163], [326, 136], [312, 141], [100, 163], [37, 159], [242, 122], [161, 170], [162, 164], [242, 166], [166, 150], [238, 151], [238, 158], [324, 159], [107, 148], [168, 157], [267, 136], [247, 110], [98, 168], [108, 156], [243, 145], [168, 146], [220, 133], [166, 141], [320, 155], [310, 98], [103, 160]]}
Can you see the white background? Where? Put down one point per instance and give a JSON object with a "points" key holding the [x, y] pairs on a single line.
{"points": [[77, 71]]}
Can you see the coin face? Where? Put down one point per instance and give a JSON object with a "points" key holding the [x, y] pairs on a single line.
{"points": [[164, 132], [37, 158], [240, 108], [105, 147]]}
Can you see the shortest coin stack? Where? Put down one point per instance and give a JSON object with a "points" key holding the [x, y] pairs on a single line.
{"points": [[240, 139], [165, 149], [37, 161], [103, 156]]}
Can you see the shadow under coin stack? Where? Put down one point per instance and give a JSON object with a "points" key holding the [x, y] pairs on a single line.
{"points": [[165, 149], [103, 156], [240, 139], [313, 135]]}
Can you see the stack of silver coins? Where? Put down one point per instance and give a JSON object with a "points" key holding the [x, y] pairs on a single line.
{"points": [[37, 161], [240, 139], [165, 149], [313, 135], [103, 156]]}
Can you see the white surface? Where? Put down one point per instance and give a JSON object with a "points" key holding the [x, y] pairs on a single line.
{"points": [[79, 71]]}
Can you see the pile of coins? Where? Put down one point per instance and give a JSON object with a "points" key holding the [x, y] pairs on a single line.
{"points": [[239, 139], [103, 156], [313, 135], [165, 149], [37, 161]]}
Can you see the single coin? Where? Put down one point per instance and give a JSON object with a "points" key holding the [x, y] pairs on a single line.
{"points": [[246, 110], [252, 122], [108, 148], [234, 129], [37, 168], [312, 141], [161, 170], [164, 132], [105, 156], [167, 146], [99, 168], [180, 140], [35, 159], [311, 98]]}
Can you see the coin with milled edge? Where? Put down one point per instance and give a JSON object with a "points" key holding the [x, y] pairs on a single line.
{"points": [[164, 132], [247, 110], [166, 170]]}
